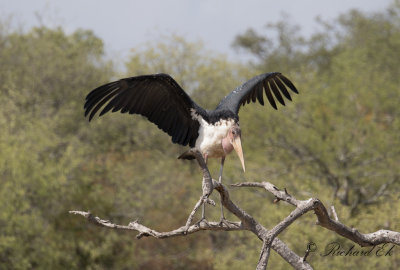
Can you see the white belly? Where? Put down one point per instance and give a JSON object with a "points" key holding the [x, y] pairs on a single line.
{"points": [[210, 137]]}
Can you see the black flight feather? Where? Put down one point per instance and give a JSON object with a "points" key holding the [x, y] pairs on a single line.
{"points": [[157, 97], [251, 90], [160, 98]]}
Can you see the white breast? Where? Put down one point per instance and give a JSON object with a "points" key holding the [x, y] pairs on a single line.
{"points": [[210, 137]]}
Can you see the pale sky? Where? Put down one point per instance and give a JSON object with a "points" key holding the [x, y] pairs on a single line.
{"points": [[124, 24]]}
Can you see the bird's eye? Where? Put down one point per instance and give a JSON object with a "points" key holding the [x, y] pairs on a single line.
{"points": [[233, 132]]}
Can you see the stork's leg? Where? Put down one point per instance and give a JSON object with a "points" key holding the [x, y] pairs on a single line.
{"points": [[220, 181], [203, 209], [221, 169]]}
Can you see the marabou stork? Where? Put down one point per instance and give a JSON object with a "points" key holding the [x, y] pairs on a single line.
{"points": [[215, 133]]}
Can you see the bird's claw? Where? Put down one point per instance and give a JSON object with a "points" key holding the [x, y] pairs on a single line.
{"points": [[203, 219], [223, 222]]}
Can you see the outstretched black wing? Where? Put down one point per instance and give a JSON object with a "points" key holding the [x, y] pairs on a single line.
{"points": [[157, 97], [272, 83]]}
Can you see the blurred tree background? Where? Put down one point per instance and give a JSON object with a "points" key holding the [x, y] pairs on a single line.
{"points": [[338, 141]]}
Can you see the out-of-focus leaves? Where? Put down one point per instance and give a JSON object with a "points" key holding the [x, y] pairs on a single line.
{"points": [[338, 141]]}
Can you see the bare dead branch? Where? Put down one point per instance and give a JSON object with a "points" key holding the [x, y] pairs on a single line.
{"points": [[145, 231], [295, 214], [370, 239], [247, 222], [334, 214], [264, 256], [279, 194]]}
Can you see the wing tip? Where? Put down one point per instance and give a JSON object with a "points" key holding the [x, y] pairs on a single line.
{"points": [[87, 111], [91, 116], [288, 83]]}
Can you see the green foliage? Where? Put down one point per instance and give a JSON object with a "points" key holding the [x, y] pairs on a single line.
{"points": [[337, 141]]}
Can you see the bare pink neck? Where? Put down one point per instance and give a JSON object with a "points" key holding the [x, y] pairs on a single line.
{"points": [[227, 145]]}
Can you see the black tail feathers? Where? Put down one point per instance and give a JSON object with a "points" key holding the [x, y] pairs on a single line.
{"points": [[187, 155]]}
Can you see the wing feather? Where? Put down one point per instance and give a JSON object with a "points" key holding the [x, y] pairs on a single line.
{"points": [[259, 90], [98, 97], [283, 89], [274, 85], [100, 103], [157, 97], [288, 83], [268, 93], [276, 92]]}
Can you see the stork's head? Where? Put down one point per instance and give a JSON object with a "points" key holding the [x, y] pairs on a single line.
{"points": [[233, 141]]}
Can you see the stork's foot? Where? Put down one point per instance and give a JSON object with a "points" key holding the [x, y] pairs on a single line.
{"points": [[203, 219], [198, 224], [225, 222]]}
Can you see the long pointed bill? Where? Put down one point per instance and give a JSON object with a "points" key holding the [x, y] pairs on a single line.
{"points": [[237, 145]]}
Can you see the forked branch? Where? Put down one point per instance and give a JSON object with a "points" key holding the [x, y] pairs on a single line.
{"points": [[324, 220], [247, 222]]}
